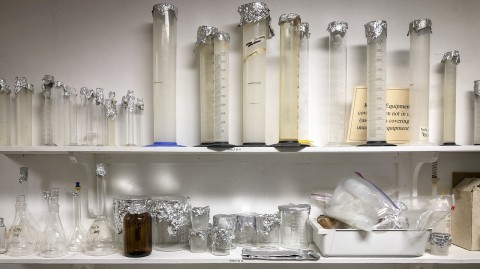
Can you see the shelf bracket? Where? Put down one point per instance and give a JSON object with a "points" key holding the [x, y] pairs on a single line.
{"points": [[409, 165]]}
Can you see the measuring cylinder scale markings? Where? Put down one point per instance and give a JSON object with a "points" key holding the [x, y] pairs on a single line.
{"points": [[338, 82], [47, 109], [419, 32], [256, 29], [303, 138], [476, 114], [376, 34], [5, 123], [450, 60], [164, 74]]}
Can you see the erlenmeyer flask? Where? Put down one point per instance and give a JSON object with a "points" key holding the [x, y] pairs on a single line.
{"points": [[78, 235], [53, 243], [21, 236]]}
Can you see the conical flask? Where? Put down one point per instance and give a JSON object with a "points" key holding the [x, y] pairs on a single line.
{"points": [[101, 235], [21, 236], [54, 242], [78, 235]]}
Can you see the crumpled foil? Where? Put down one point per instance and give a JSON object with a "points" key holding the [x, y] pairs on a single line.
{"points": [[101, 170], [441, 239], [91, 95], [222, 36], [265, 223], [374, 29], [304, 29], [198, 211], [23, 175], [453, 56], [277, 254], [132, 205], [140, 104], [111, 106], [476, 87], [99, 97], [420, 24], [47, 84], [84, 91], [287, 17], [203, 234], [222, 237], [175, 210], [30, 87], [205, 34], [128, 101], [4, 88], [254, 12], [245, 220], [163, 9], [338, 28], [20, 83], [228, 221], [294, 208]]}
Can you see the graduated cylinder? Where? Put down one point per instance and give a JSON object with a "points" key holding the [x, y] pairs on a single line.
{"points": [[4, 113], [221, 50], [419, 32], [303, 137], [476, 114], [450, 60], [23, 100]]}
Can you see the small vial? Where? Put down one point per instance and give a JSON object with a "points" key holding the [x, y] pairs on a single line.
{"points": [[199, 240], [476, 115], [246, 233], [3, 237], [268, 229], [294, 228], [200, 218], [222, 241], [450, 59], [23, 100], [4, 113]]}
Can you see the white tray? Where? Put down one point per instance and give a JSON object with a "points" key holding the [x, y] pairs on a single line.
{"points": [[378, 243]]}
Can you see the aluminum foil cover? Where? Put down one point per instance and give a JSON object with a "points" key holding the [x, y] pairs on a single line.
{"points": [[254, 12], [288, 17], [175, 210], [4, 88], [198, 211], [163, 9], [222, 36], [91, 95], [453, 56], [20, 83], [420, 24], [47, 84], [476, 87], [338, 28], [101, 170], [83, 91], [140, 104], [23, 175], [132, 205], [374, 29], [128, 101], [441, 239], [304, 30], [204, 34], [245, 220], [111, 106], [222, 237], [265, 223], [99, 97], [228, 221], [203, 234], [30, 87], [294, 208]]}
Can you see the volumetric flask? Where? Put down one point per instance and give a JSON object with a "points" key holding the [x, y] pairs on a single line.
{"points": [[450, 60], [23, 101], [376, 34], [164, 74], [268, 229], [255, 23], [294, 227], [4, 113], [47, 111], [76, 242], [476, 114], [204, 46], [419, 32], [303, 137], [338, 82]]}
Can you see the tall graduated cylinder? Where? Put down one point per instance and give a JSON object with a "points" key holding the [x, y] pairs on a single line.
{"points": [[476, 115], [338, 81], [419, 32], [23, 102], [59, 114], [303, 137], [221, 50], [450, 59], [289, 76], [47, 111], [4, 113], [255, 23], [71, 111], [164, 73]]}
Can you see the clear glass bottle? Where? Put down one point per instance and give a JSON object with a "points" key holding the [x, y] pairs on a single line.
{"points": [[338, 82], [419, 31], [128, 105], [246, 233], [268, 229], [5, 120], [23, 100], [303, 136], [200, 218], [476, 114], [164, 74], [54, 242], [78, 235], [3, 237], [255, 24], [21, 236], [139, 111], [137, 230], [47, 111], [222, 241], [199, 240], [450, 60], [294, 227], [71, 110], [111, 109]]}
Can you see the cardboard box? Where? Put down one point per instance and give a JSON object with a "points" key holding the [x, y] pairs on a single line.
{"points": [[466, 216]]}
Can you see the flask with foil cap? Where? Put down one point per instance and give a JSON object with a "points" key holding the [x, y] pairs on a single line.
{"points": [[5, 117], [450, 60]]}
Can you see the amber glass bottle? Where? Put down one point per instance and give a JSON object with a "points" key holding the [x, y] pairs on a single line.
{"points": [[137, 227]]}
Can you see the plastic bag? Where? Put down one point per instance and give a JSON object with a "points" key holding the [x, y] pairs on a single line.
{"points": [[426, 212]]}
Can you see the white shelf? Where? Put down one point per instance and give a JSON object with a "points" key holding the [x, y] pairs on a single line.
{"points": [[457, 256]]}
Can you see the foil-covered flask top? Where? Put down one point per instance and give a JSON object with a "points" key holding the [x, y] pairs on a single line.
{"points": [[4, 88], [304, 29], [140, 104], [453, 56], [375, 29], [47, 85], [338, 28], [222, 36], [164, 8], [128, 101], [476, 87], [99, 97], [20, 84], [111, 106], [254, 12], [205, 34], [101, 170], [420, 24], [289, 17]]}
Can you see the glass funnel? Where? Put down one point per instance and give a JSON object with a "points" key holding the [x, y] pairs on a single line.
{"points": [[21, 236], [450, 59], [54, 242], [76, 242]]}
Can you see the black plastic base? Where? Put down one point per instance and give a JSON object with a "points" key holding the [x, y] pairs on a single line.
{"points": [[476, 144], [204, 145], [254, 145], [221, 145], [289, 144], [449, 144], [377, 144]]}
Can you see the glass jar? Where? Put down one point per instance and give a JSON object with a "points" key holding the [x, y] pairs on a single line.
{"points": [[293, 228], [226, 221], [222, 241], [200, 218], [268, 229], [137, 230], [245, 232], [199, 240]]}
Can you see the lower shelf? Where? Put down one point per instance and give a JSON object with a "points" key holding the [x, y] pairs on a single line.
{"points": [[457, 256]]}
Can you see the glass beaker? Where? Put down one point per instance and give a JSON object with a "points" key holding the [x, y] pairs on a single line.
{"points": [[5, 120], [229, 222], [137, 230], [294, 227], [200, 217], [476, 114], [268, 229], [164, 74], [440, 243], [47, 111], [3, 237], [419, 31], [78, 235], [199, 240], [245, 233], [172, 222], [450, 60], [21, 236], [303, 137], [338, 82], [53, 243], [256, 29], [111, 109], [23, 115], [222, 240]]}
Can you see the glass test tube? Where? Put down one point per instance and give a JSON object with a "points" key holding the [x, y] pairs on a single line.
{"points": [[419, 32], [289, 78], [338, 82], [303, 84], [221, 48], [4, 113], [111, 109], [255, 23], [450, 59], [23, 102], [476, 115], [164, 73], [47, 111], [129, 118], [204, 46], [376, 34]]}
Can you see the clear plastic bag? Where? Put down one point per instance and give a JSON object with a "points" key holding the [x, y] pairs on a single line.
{"points": [[426, 212]]}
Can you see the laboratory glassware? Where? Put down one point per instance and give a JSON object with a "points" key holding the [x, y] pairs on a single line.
{"points": [[441, 237], [78, 235], [228, 222], [303, 137], [222, 240], [199, 240], [204, 46], [139, 109], [376, 34], [111, 109], [419, 31], [172, 222], [60, 97], [3, 237], [54, 242], [99, 119], [289, 79], [128, 104], [338, 82], [100, 240], [256, 29], [21, 236], [293, 228], [4, 113], [123, 205], [83, 115], [450, 60], [245, 232], [71, 118], [268, 229], [137, 230], [47, 111], [89, 107], [200, 218], [476, 115], [164, 74], [23, 102]]}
